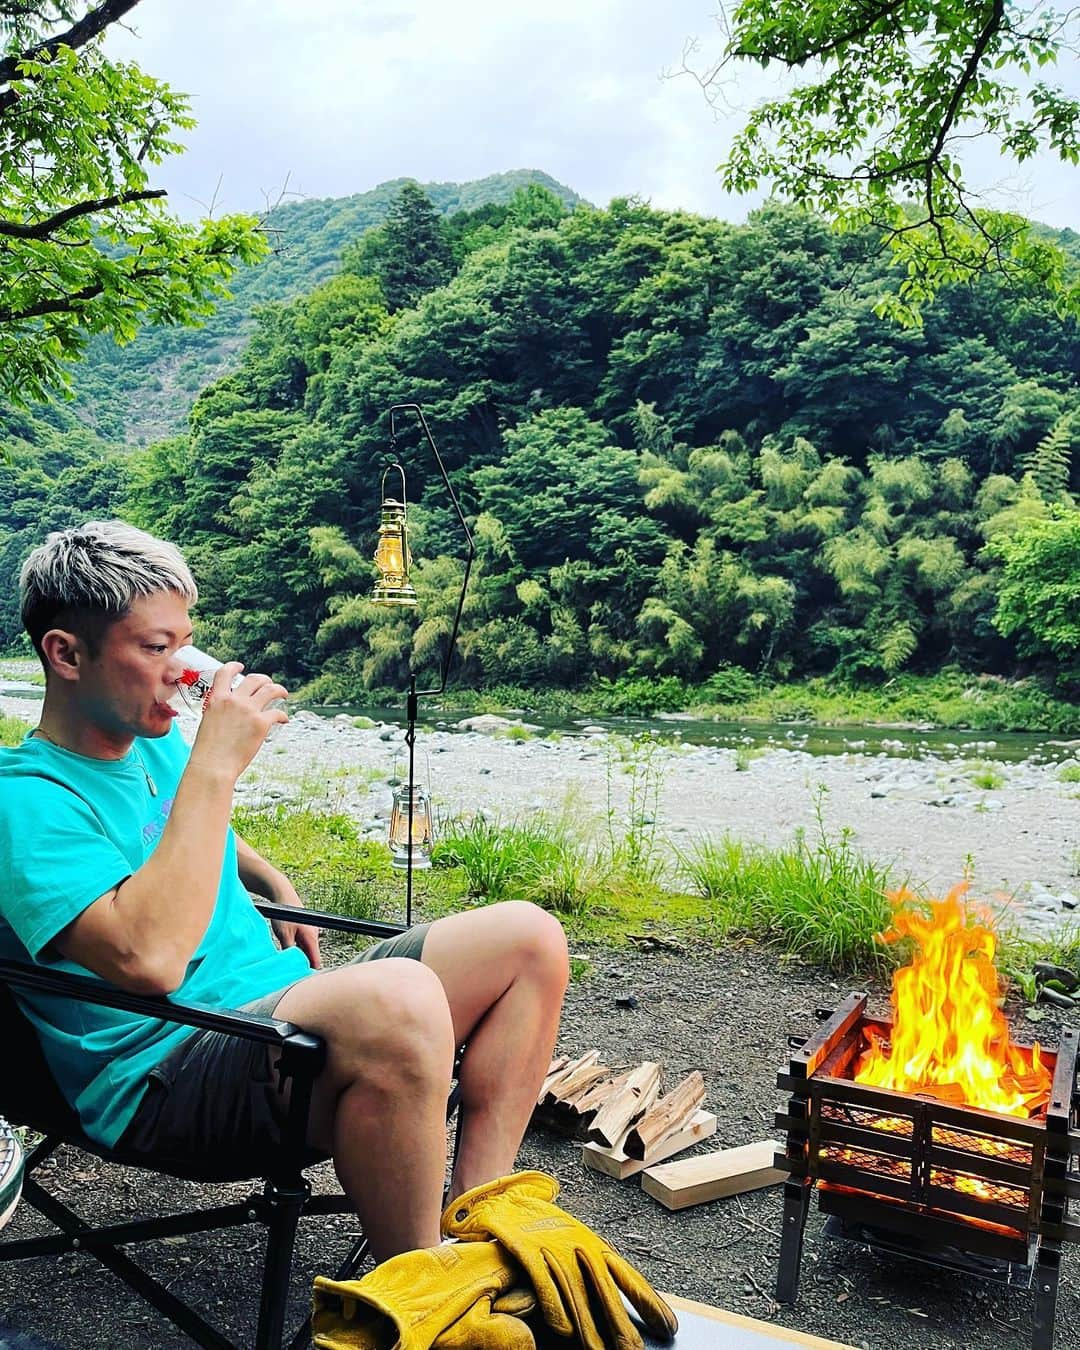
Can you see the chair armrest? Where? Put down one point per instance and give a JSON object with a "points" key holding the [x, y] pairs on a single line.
{"points": [[84, 989], [320, 919]]}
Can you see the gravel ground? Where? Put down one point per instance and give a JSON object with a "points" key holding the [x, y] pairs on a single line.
{"points": [[727, 1012]]}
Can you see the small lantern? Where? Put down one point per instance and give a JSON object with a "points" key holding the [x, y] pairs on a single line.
{"points": [[423, 833], [392, 556]]}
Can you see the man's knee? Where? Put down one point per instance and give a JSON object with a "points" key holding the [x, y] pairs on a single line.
{"points": [[390, 1023], [537, 938]]}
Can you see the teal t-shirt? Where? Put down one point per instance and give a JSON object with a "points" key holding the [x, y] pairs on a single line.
{"points": [[72, 828]]}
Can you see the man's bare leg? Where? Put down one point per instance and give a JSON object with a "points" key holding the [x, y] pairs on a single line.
{"points": [[504, 969], [379, 1106]]}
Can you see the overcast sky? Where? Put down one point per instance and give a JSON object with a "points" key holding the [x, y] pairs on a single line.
{"points": [[336, 96]]}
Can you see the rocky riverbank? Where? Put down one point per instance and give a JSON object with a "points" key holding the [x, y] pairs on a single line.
{"points": [[1015, 826]]}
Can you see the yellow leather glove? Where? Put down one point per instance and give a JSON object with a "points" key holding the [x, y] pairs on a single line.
{"points": [[437, 1297], [574, 1271]]}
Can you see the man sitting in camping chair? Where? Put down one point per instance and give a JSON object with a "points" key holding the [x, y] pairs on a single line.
{"points": [[118, 860]]}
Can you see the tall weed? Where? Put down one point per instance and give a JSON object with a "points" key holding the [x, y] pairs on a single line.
{"points": [[541, 859], [632, 835], [820, 898], [12, 730], [1017, 954]]}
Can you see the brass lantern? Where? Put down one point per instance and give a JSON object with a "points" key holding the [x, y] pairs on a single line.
{"points": [[423, 832], [392, 556]]}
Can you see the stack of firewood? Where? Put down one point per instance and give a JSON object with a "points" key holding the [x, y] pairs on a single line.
{"points": [[623, 1119]]}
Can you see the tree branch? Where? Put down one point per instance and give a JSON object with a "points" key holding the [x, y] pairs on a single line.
{"points": [[87, 28], [70, 300], [83, 208], [43, 228], [971, 68], [59, 305]]}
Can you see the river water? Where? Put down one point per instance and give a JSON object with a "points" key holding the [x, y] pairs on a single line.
{"points": [[1009, 747]]}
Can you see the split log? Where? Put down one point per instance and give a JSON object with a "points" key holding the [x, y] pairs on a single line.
{"points": [[626, 1106], [554, 1069], [709, 1176], [614, 1162], [567, 1090], [550, 1085], [666, 1116], [592, 1100]]}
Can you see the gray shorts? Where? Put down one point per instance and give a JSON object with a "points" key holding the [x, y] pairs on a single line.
{"points": [[214, 1103]]}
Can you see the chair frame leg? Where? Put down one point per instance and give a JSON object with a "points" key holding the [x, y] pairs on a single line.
{"points": [[285, 1205], [279, 1207]]}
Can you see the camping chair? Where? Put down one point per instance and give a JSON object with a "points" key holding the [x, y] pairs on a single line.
{"points": [[29, 1097]]}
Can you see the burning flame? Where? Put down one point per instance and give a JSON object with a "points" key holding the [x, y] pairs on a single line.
{"points": [[949, 1036]]}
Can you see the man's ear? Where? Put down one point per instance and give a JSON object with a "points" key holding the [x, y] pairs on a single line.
{"points": [[64, 653]]}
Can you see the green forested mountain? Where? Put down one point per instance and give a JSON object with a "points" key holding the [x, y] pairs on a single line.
{"points": [[689, 448], [145, 390]]}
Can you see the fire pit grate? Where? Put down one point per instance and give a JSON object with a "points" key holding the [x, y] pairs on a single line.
{"points": [[938, 1180], [985, 1145]]}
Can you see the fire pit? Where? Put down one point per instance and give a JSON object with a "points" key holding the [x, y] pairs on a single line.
{"points": [[883, 1122]]}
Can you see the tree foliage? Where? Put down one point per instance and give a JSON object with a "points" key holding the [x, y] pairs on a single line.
{"points": [[872, 129], [86, 244], [691, 452], [1039, 597]]}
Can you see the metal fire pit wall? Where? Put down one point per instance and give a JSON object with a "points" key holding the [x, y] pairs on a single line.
{"points": [[936, 1177]]}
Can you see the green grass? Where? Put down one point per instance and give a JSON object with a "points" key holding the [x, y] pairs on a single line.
{"points": [[1017, 954], [539, 859], [745, 755], [821, 900], [12, 730], [986, 776], [515, 733], [322, 854], [1069, 773], [951, 698], [817, 899]]}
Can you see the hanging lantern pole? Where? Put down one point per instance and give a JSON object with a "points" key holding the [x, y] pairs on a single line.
{"points": [[393, 524]]}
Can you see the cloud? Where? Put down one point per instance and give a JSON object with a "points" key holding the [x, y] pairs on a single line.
{"points": [[335, 97]]}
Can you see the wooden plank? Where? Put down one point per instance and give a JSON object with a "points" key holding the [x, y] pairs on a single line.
{"points": [[710, 1176], [615, 1163], [557, 1065], [818, 1047], [580, 1081], [769, 1332]]}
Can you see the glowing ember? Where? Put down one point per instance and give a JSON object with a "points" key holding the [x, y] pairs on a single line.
{"points": [[949, 1036]]}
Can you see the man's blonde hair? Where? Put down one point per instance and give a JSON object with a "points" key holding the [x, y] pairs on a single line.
{"points": [[86, 577]]}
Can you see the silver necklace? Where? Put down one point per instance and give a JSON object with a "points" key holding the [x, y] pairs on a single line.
{"points": [[151, 786]]}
